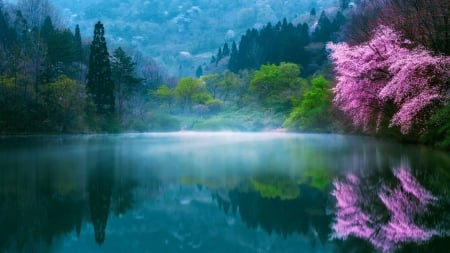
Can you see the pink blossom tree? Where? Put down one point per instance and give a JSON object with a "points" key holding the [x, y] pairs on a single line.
{"points": [[387, 70], [403, 203]]}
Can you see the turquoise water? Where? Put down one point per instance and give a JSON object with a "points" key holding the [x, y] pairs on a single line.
{"points": [[221, 192]]}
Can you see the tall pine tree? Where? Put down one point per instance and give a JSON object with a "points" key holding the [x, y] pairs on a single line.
{"points": [[99, 83], [77, 45]]}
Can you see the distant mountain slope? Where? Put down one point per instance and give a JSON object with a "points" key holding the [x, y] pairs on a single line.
{"points": [[181, 33]]}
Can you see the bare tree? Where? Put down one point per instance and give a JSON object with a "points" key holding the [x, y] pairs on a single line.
{"points": [[425, 22], [35, 12]]}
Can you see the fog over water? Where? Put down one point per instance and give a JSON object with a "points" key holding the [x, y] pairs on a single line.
{"points": [[216, 192]]}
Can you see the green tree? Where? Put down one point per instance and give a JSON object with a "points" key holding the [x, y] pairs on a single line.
{"points": [[64, 104], [124, 77], [226, 50], [77, 45], [199, 71], [314, 110], [189, 91], [99, 83], [164, 95], [277, 86], [323, 29], [60, 50], [212, 82]]}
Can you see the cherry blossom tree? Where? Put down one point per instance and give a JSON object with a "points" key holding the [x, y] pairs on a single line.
{"points": [[356, 215], [388, 70]]}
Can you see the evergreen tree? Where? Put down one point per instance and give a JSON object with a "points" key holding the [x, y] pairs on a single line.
{"points": [[60, 50], [272, 44], [124, 77], [77, 45], [47, 29], [219, 55], [226, 50], [7, 33], [233, 64], [338, 21], [324, 29], [21, 28], [99, 83], [199, 71]]}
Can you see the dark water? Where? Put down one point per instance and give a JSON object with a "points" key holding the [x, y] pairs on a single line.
{"points": [[223, 192]]}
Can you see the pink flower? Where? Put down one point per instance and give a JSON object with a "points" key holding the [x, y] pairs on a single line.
{"points": [[385, 69]]}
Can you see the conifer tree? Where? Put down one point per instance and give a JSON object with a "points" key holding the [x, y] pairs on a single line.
{"points": [[323, 29], [199, 71], [125, 80], [233, 64], [219, 55], [226, 50], [99, 83], [77, 45]]}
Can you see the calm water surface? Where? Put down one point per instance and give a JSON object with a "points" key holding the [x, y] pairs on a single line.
{"points": [[222, 192]]}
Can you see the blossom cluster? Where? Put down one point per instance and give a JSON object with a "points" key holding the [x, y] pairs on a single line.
{"points": [[388, 70]]}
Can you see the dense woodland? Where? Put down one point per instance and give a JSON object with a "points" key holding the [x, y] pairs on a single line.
{"points": [[373, 67], [182, 34]]}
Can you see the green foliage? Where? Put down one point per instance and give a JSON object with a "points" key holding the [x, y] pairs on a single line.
{"points": [[314, 109], [189, 92], [319, 178], [100, 85], [215, 105], [270, 186], [438, 128], [64, 105], [164, 94], [222, 86], [247, 118], [161, 122], [128, 87], [277, 86]]}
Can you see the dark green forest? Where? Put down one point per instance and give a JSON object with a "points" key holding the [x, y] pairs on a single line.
{"points": [[278, 77]]}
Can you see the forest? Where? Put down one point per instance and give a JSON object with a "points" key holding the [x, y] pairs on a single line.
{"points": [[363, 67]]}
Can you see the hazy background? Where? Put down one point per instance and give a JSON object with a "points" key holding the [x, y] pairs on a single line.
{"points": [[182, 33]]}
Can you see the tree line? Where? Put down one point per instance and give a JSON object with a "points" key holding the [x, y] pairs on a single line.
{"points": [[54, 80], [282, 42], [383, 74]]}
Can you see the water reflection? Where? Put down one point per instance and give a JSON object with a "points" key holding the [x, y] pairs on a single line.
{"points": [[100, 184], [387, 213], [304, 214], [221, 193]]}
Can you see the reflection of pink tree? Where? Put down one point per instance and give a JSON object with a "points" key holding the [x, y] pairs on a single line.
{"points": [[351, 219], [403, 203]]}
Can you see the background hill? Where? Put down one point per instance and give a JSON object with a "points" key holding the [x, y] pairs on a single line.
{"points": [[181, 34]]}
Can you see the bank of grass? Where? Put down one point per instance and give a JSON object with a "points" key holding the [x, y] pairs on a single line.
{"points": [[234, 119]]}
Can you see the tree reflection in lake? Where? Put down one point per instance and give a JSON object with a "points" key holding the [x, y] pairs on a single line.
{"points": [[47, 195], [132, 193], [100, 183], [304, 214], [387, 214]]}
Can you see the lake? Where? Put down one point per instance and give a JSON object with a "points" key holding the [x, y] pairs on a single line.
{"points": [[222, 192]]}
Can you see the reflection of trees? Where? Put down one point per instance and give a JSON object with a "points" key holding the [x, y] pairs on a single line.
{"points": [[100, 191], [42, 202], [275, 186], [387, 214], [33, 213], [304, 214]]}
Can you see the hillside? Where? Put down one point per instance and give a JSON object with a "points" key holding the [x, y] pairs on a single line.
{"points": [[181, 34]]}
